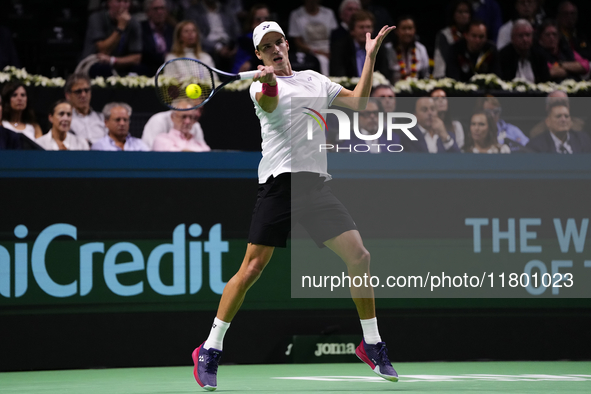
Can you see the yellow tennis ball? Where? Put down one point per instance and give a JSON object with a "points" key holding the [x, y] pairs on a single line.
{"points": [[193, 91]]}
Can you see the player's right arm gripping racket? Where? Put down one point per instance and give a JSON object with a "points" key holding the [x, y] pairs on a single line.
{"points": [[190, 79]]}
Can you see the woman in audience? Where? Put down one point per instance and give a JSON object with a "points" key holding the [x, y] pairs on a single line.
{"points": [[17, 114], [563, 62], [60, 137], [459, 16], [408, 58], [483, 135], [187, 43], [453, 127]]}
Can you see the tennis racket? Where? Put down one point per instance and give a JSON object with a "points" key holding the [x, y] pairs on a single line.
{"points": [[182, 79]]}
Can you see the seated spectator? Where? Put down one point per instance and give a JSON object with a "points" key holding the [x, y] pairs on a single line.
{"points": [[60, 137], [520, 59], [219, 30], [472, 55], [458, 19], [489, 12], [453, 127], [8, 138], [408, 58], [348, 55], [507, 133], [369, 125], [86, 122], [116, 40], [161, 123], [560, 138], [566, 19], [578, 124], [156, 36], [381, 13], [563, 62], [8, 55], [386, 95], [187, 43], [346, 10], [530, 10], [432, 137], [18, 115], [246, 59], [117, 122], [310, 27], [180, 138], [483, 136]]}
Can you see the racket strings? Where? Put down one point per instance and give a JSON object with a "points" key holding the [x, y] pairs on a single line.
{"points": [[174, 78]]}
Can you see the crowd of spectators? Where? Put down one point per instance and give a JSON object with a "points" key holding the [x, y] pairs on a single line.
{"points": [[75, 125], [120, 41], [137, 36], [437, 131]]}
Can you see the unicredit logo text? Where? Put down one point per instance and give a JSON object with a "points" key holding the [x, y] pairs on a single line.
{"points": [[187, 268]]}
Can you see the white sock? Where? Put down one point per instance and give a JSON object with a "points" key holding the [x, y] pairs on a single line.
{"points": [[371, 333], [216, 335]]}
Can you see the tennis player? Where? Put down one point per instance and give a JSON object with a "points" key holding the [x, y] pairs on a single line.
{"points": [[312, 204]]}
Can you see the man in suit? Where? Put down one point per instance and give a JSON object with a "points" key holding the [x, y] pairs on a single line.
{"points": [[157, 35], [369, 125], [348, 54], [519, 59], [578, 124], [473, 54], [432, 137], [559, 138], [346, 11]]}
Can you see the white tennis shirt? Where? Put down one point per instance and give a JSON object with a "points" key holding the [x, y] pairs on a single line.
{"points": [[286, 147]]}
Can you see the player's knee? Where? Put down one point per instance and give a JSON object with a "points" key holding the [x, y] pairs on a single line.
{"points": [[253, 271], [365, 257], [361, 259]]}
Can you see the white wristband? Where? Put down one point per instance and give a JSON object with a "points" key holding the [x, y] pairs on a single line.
{"points": [[113, 60]]}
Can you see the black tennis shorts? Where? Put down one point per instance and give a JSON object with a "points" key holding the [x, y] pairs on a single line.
{"points": [[304, 198]]}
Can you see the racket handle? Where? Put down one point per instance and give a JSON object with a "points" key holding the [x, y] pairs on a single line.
{"points": [[248, 74]]}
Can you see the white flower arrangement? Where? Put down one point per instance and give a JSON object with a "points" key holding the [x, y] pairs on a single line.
{"points": [[477, 83], [237, 86], [20, 74], [523, 85]]}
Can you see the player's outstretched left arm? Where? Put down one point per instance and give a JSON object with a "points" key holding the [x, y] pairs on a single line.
{"points": [[363, 88]]}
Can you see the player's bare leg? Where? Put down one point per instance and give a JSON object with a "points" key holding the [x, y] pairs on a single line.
{"points": [[255, 260], [207, 356], [372, 351], [349, 247]]}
